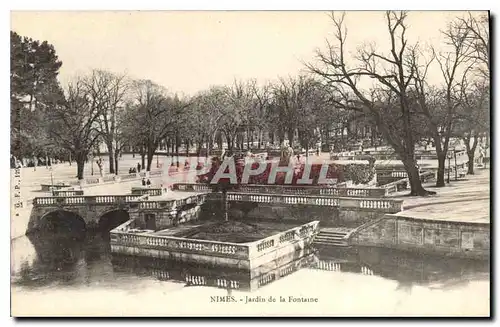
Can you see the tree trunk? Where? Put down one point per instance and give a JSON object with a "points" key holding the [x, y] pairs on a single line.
{"points": [[168, 146], [441, 152], [143, 157], [151, 152], [80, 165], [248, 139], [177, 145], [225, 205], [441, 170], [290, 133], [414, 178], [470, 164], [198, 147], [229, 142], [111, 158], [117, 155]]}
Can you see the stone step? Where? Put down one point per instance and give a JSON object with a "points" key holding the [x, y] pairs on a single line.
{"points": [[329, 243], [325, 237], [333, 233]]}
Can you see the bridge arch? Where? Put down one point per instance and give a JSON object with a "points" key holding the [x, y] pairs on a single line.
{"points": [[111, 219], [63, 222]]}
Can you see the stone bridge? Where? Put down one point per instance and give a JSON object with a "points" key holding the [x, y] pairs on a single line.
{"points": [[90, 211]]}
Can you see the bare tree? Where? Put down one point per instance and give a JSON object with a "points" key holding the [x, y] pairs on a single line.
{"points": [[391, 76], [474, 118], [478, 38], [108, 90], [455, 66], [74, 123], [154, 113]]}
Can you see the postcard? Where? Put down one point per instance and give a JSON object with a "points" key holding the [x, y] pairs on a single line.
{"points": [[250, 163]]}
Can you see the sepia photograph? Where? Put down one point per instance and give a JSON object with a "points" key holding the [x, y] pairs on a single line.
{"points": [[250, 163]]}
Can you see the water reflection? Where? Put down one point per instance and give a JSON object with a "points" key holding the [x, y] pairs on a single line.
{"points": [[63, 260]]}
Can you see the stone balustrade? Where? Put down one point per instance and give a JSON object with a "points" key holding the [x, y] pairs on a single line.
{"points": [[292, 190], [427, 176], [191, 187], [381, 204], [93, 180], [163, 204], [280, 199], [129, 176], [152, 191], [49, 187], [289, 236], [175, 243], [404, 183], [105, 179], [399, 174], [109, 178], [84, 199], [227, 283], [67, 192]]}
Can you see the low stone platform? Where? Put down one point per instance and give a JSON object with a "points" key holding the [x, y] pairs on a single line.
{"points": [[465, 201], [275, 244], [454, 222]]}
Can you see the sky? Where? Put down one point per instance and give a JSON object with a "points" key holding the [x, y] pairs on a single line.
{"points": [[191, 51]]}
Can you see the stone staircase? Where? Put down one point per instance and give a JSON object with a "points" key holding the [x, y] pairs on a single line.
{"points": [[331, 237]]}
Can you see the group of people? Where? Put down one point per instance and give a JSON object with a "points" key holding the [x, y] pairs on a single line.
{"points": [[146, 182], [133, 170]]}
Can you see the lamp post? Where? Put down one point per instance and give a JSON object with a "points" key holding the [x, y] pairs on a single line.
{"points": [[455, 155], [92, 163], [449, 167]]}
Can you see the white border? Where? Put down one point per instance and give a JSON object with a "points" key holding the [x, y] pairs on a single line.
{"points": [[175, 5]]}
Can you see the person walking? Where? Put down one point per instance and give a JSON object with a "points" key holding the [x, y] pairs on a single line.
{"points": [[138, 167], [143, 182], [148, 183]]}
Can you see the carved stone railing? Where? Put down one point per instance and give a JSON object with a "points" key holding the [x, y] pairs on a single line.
{"points": [[129, 176], [49, 187], [167, 204], [191, 187], [93, 180], [404, 183], [167, 243], [67, 192], [427, 176], [278, 240], [85, 199], [381, 204], [109, 178], [152, 191], [289, 189]]}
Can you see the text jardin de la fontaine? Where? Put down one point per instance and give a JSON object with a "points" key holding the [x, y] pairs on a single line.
{"points": [[262, 299]]}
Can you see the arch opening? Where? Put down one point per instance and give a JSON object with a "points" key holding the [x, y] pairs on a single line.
{"points": [[58, 244], [65, 224], [111, 220]]}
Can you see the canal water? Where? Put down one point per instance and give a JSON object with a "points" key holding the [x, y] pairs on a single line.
{"points": [[60, 273]]}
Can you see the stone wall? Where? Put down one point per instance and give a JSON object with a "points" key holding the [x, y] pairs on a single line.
{"points": [[328, 216], [428, 236]]}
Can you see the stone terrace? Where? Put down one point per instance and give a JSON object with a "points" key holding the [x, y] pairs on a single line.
{"points": [[464, 200]]}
